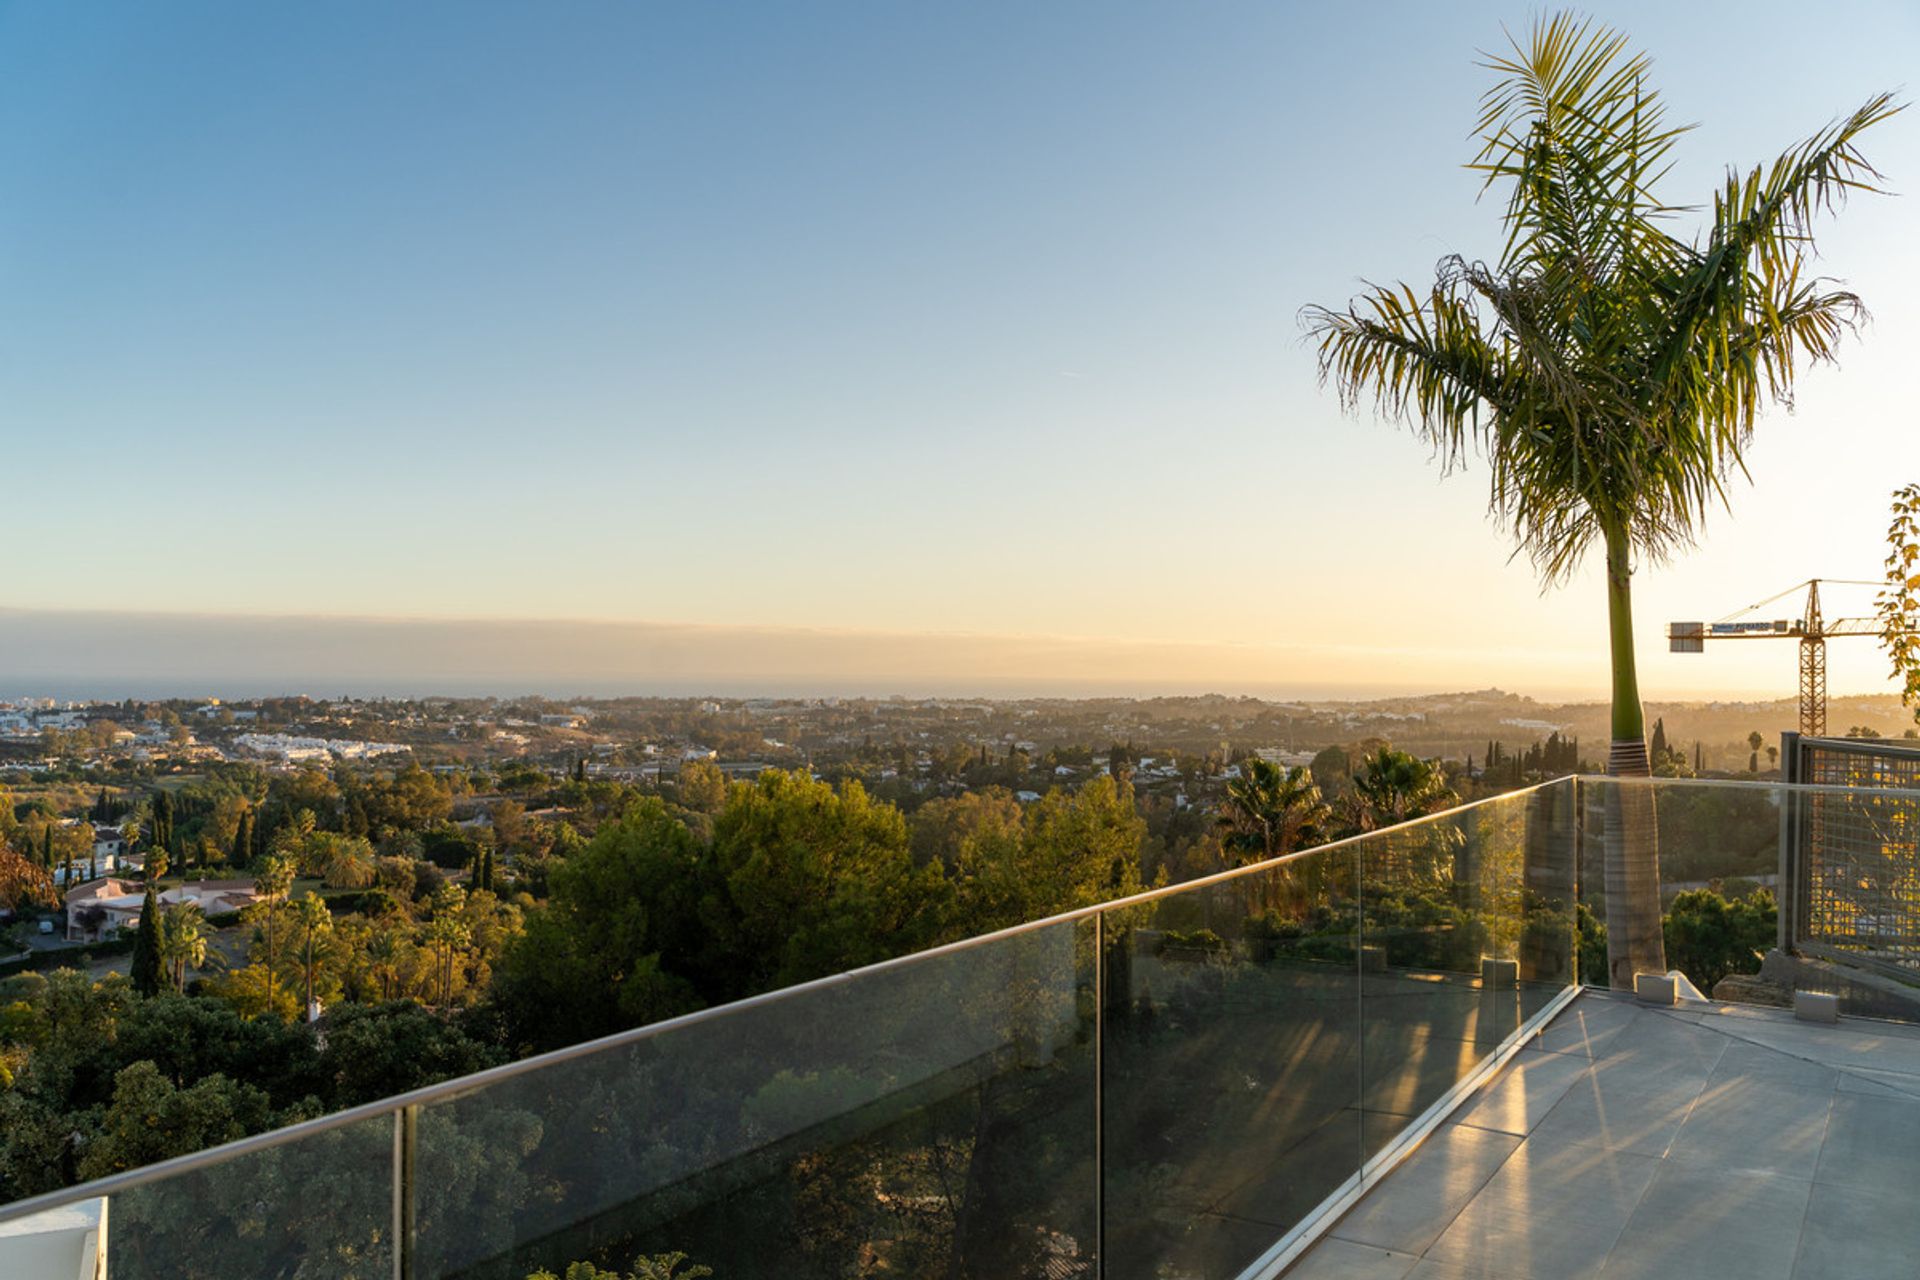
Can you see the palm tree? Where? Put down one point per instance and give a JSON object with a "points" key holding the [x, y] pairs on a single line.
{"points": [[448, 935], [1271, 811], [182, 942], [385, 952], [1609, 371], [272, 885], [314, 921], [1755, 741], [1392, 786]]}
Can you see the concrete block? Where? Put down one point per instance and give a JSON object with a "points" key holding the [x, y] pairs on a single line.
{"points": [[1373, 959], [1816, 1006], [1656, 988], [1499, 974]]}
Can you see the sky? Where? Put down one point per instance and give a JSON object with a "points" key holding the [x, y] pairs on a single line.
{"points": [[917, 345]]}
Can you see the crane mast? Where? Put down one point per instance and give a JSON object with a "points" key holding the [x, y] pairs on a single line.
{"points": [[1813, 668]]}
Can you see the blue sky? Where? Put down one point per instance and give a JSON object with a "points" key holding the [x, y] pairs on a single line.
{"points": [[962, 319]]}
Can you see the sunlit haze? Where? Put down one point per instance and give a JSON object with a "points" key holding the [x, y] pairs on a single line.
{"points": [[887, 348]]}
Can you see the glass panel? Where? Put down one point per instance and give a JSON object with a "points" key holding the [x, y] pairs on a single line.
{"points": [[933, 1118], [320, 1205], [1442, 919], [1549, 896], [1718, 846], [1230, 1082]]}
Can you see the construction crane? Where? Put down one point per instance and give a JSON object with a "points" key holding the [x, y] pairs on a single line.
{"points": [[1810, 629]]}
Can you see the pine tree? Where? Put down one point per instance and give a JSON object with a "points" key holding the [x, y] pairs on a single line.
{"points": [[146, 946], [1659, 740]]}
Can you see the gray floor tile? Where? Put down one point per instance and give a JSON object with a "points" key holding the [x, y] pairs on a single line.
{"points": [[1885, 1084], [1525, 1092], [1434, 1269], [1625, 1105], [1755, 1124], [1709, 1224], [1840, 1046], [1871, 1142], [1408, 1211], [1658, 1040], [1333, 1259], [1566, 1178], [1487, 1240], [1553, 1211], [1745, 1061], [1859, 1231], [1585, 1027]]}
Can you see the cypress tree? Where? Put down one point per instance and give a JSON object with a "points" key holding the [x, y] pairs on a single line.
{"points": [[243, 840], [146, 946]]}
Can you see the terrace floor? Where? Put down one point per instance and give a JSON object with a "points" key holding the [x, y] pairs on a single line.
{"points": [[1703, 1141]]}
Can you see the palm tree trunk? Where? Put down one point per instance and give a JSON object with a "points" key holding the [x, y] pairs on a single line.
{"points": [[1634, 944]]}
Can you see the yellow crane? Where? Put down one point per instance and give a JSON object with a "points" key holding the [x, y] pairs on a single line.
{"points": [[1810, 629]]}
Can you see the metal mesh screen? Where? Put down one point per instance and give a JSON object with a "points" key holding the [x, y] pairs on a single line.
{"points": [[1861, 869]]}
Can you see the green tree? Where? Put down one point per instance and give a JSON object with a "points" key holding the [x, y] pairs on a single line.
{"points": [[1609, 370], [266, 914], [590, 961], [1898, 603], [1709, 937], [702, 786], [816, 879], [1393, 786], [243, 839], [151, 1119], [315, 924], [1270, 810], [162, 819], [1073, 849], [145, 965], [377, 1051], [181, 941]]}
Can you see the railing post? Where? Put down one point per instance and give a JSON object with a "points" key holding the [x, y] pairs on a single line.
{"points": [[1099, 1100], [1791, 904], [405, 1132], [1579, 879]]}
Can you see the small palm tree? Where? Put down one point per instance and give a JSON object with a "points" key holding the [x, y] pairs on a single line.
{"points": [[1392, 786], [314, 921], [386, 952], [1272, 811], [182, 942], [1609, 371]]}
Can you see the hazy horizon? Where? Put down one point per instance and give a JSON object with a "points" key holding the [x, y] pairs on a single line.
{"points": [[111, 655]]}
